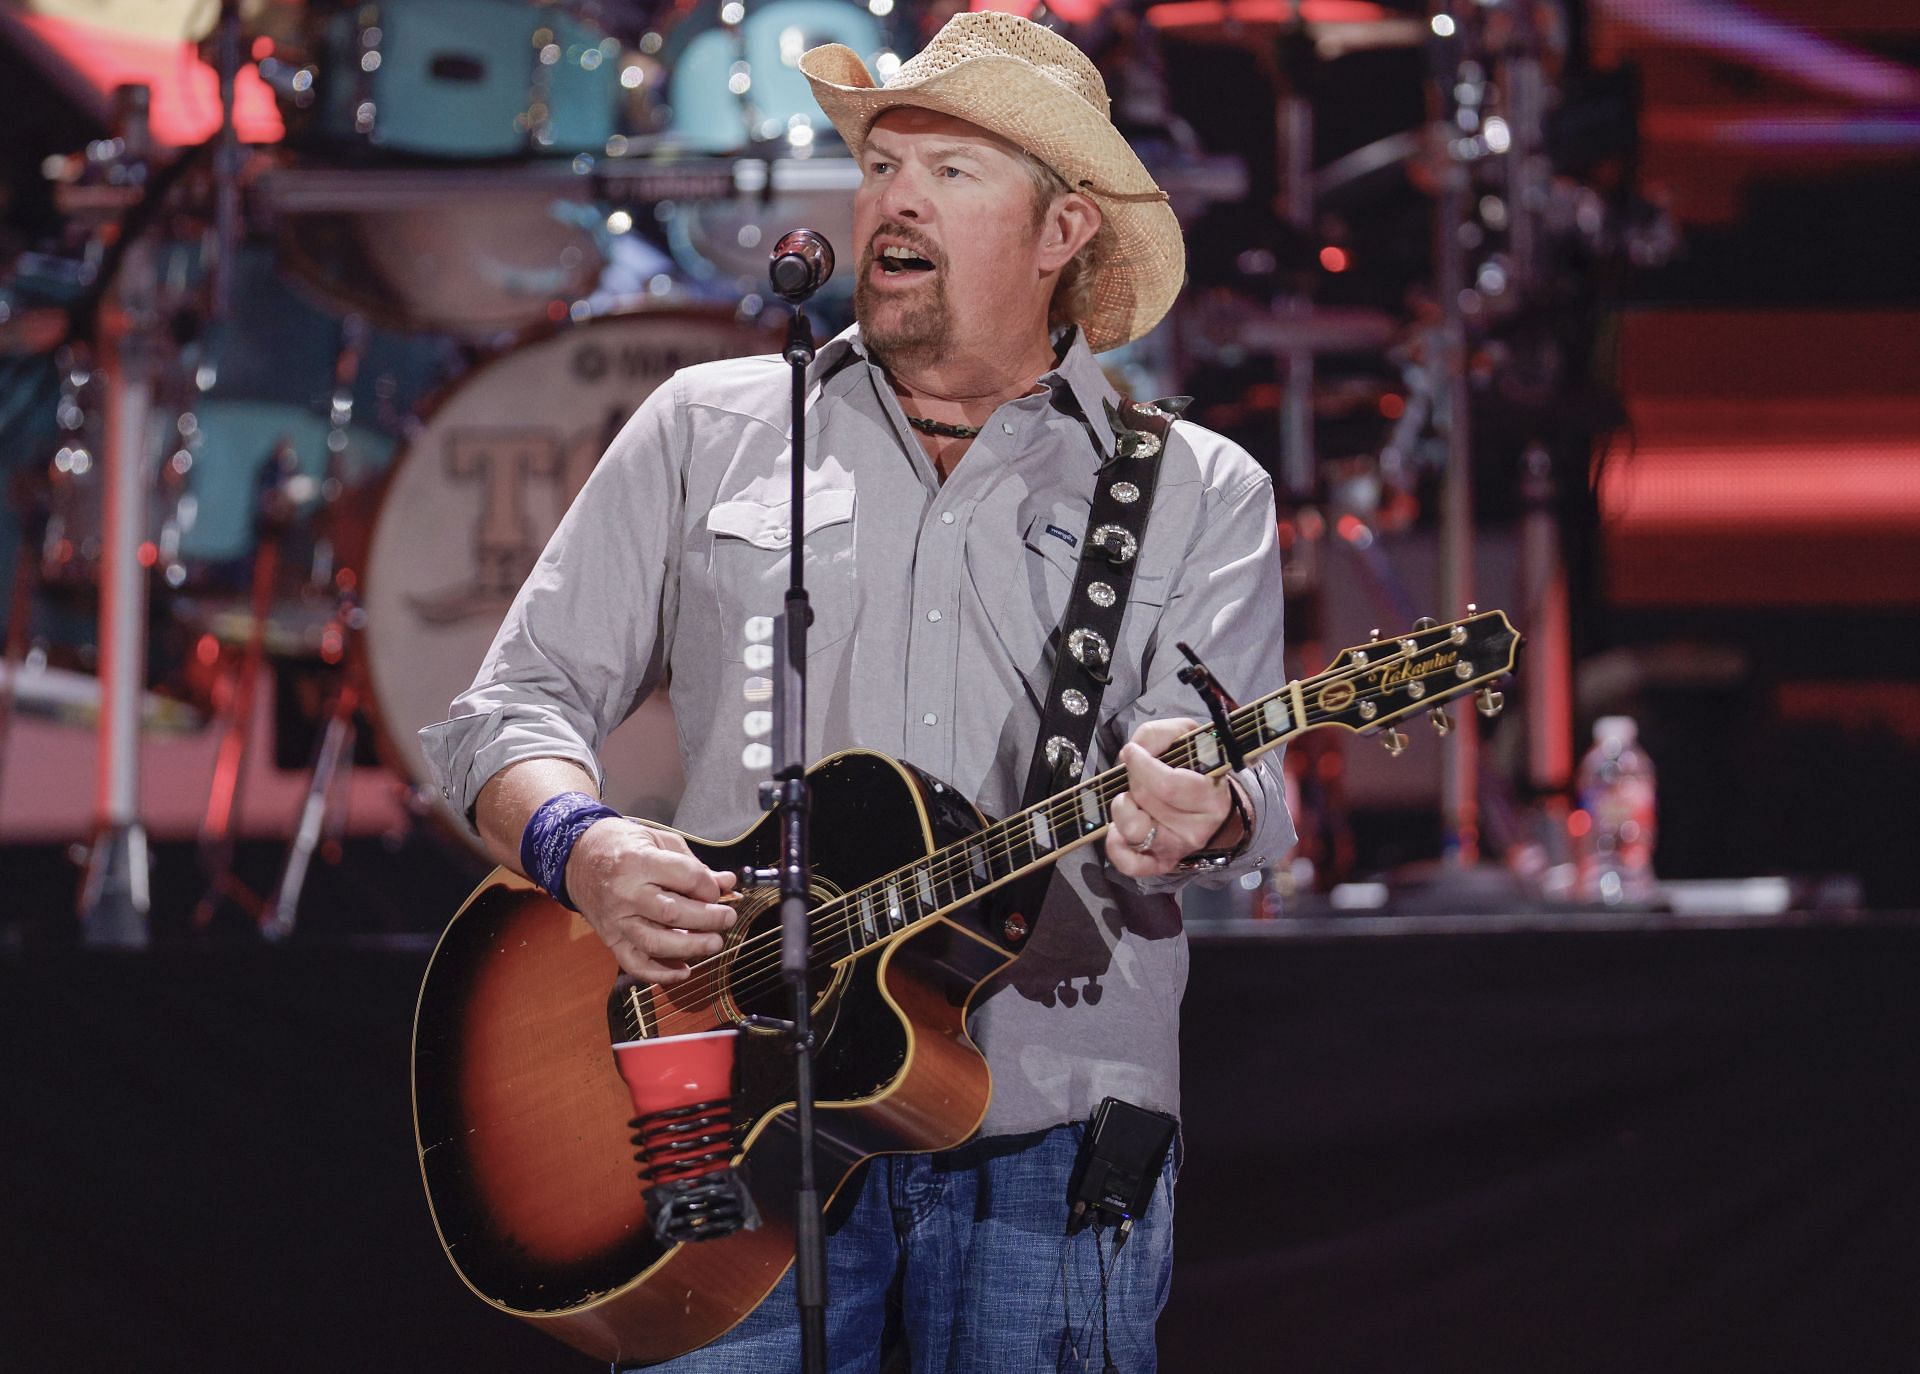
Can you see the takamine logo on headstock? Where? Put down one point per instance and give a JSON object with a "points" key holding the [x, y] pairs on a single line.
{"points": [[1375, 683]]}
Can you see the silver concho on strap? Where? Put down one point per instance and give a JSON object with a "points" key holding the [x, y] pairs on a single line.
{"points": [[1126, 493], [1138, 443], [1107, 536], [1074, 700], [1060, 744], [1089, 648], [1100, 594]]}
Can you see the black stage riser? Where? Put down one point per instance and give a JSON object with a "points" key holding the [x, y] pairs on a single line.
{"points": [[1686, 1151]]}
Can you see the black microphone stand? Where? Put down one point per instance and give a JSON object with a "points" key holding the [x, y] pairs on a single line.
{"points": [[796, 276]]}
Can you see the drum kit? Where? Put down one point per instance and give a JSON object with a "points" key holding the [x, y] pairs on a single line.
{"points": [[323, 400]]}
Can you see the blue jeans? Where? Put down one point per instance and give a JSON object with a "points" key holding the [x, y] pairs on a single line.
{"points": [[964, 1257]]}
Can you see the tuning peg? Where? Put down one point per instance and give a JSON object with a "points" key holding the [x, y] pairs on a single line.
{"points": [[1394, 742], [1425, 622], [1490, 702], [1442, 722]]}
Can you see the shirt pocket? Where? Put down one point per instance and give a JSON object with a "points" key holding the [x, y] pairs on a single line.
{"points": [[1025, 601], [750, 562]]}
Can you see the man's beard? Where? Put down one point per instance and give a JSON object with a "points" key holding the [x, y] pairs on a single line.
{"points": [[901, 331]]}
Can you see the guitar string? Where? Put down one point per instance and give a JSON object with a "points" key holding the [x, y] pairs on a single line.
{"points": [[748, 969]]}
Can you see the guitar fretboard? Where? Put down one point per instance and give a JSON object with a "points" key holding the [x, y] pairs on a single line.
{"points": [[1003, 850]]}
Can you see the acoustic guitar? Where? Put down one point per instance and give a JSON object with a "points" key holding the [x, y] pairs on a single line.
{"points": [[520, 1114]]}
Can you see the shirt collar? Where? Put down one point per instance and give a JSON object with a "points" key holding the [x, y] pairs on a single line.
{"points": [[1076, 371], [1086, 383]]}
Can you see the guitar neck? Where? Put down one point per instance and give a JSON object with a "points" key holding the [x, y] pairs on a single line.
{"points": [[1366, 688], [1043, 833]]}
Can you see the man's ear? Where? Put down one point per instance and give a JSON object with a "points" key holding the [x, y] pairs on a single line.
{"points": [[1070, 224]]}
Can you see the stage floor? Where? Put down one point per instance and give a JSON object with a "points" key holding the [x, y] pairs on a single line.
{"points": [[1579, 1149]]}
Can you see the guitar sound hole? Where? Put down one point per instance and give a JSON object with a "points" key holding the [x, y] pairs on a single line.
{"points": [[751, 984]]}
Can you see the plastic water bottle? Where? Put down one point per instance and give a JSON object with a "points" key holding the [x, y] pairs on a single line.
{"points": [[1613, 831]]}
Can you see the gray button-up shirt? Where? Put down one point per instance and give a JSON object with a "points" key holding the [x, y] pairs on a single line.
{"points": [[934, 603]]}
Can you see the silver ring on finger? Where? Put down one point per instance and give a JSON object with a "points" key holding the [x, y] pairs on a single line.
{"points": [[1146, 846]]}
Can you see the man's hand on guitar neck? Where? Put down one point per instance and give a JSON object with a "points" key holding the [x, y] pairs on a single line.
{"points": [[640, 888], [1167, 813]]}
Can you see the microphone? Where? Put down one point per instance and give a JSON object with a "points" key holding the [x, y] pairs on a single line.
{"points": [[799, 265]]}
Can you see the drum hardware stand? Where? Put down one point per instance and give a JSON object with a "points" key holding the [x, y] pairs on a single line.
{"points": [[1288, 63], [26, 580], [334, 754], [1549, 695], [217, 827], [1293, 143], [1460, 878], [335, 751], [226, 161], [114, 897], [1460, 756]]}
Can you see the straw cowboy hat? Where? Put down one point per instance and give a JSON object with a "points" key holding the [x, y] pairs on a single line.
{"points": [[1035, 89]]}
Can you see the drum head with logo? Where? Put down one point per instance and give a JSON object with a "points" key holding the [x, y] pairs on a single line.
{"points": [[473, 501]]}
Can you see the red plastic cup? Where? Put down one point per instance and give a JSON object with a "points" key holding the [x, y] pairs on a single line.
{"points": [[676, 1072]]}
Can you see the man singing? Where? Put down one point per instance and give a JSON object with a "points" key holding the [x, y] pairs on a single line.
{"points": [[1004, 233]]}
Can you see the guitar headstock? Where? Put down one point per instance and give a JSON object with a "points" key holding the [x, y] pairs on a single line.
{"points": [[1372, 685]]}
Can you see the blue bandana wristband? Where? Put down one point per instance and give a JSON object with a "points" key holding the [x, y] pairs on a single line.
{"points": [[547, 842]]}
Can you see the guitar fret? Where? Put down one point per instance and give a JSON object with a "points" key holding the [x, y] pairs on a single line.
{"points": [[1013, 854], [1092, 815], [896, 917], [924, 884], [1042, 831], [863, 903]]}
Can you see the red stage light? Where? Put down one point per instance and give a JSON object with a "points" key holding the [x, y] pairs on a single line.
{"points": [[1334, 259]]}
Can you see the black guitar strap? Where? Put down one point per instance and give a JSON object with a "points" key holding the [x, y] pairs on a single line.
{"points": [[1084, 643]]}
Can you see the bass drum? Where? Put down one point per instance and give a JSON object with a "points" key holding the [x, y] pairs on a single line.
{"points": [[472, 501]]}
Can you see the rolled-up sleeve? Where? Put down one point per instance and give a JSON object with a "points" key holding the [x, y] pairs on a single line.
{"points": [[1227, 603], [585, 639]]}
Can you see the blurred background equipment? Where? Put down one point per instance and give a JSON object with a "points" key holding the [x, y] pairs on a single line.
{"points": [[1451, 274]]}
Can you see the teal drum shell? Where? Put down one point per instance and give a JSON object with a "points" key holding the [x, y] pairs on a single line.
{"points": [[464, 79], [715, 110]]}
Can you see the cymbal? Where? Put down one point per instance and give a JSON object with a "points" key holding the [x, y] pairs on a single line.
{"points": [[1335, 26]]}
